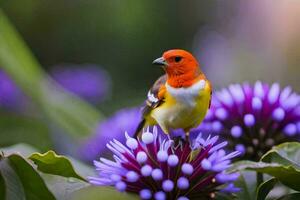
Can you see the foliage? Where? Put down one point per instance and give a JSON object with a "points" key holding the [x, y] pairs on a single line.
{"points": [[27, 174], [50, 176], [19, 185], [100, 193], [51, 163], [54, 176], [75, 117], [281, 163]]}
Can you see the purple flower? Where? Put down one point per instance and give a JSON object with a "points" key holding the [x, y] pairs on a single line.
{"points": [[113, 128], [254, 118], [11, 97], [87, 81], [155, 168]]}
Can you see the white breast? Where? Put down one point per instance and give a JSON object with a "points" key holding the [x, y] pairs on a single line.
{"points": [[186, 95]]}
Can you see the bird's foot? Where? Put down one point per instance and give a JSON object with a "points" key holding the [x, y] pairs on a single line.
{"points": [[179, 142]]}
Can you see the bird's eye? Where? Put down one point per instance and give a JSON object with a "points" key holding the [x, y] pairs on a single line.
{"points": [[178, 59]]}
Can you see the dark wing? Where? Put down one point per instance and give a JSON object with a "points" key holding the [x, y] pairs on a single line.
{"points": [[155, 95]]}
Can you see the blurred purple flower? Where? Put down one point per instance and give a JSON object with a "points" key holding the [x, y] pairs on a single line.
{"points": [[153, 168], [90, 82], [253, 118], [11, 96], [112, 128]]}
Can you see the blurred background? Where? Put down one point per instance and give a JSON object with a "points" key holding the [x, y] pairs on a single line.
{"points": [[102, 51]]}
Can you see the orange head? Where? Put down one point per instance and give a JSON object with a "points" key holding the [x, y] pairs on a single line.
{"points": [[181, 67]]}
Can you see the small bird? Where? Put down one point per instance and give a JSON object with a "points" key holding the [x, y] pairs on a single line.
{"points": [[180, 98]]}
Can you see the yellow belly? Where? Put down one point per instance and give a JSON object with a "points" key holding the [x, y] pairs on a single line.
{"points": [[174, 114]]}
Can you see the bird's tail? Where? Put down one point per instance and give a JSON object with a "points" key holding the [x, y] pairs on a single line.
{"points": [[139, 128]]}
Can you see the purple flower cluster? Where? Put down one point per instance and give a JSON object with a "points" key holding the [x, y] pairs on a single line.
{"points": [[155, 168], [253, 118], [113, 128], [11, 96], [87, 81]]}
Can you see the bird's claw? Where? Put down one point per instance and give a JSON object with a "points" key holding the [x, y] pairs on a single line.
{"points": [[179, 142]]}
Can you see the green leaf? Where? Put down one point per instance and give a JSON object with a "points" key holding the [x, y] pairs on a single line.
{"points": [[82, 168], [264, 188], [12, 183], [24, 130], [62, 108], [278, 191], [52, 163], [101, 193], [286, 154], [247, 183], [288, 175], [21, 181], [27, 150], [58, 184], [294, 196], [62, 187], [2, 187]]}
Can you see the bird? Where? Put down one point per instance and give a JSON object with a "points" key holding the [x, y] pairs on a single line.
{"points": [[180, 98]]}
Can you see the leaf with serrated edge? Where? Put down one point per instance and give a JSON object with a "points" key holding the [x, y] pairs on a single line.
{"points": [[52, 163]]}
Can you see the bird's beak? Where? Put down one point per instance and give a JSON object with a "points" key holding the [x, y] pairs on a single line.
{"points": [[160, 61]]}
